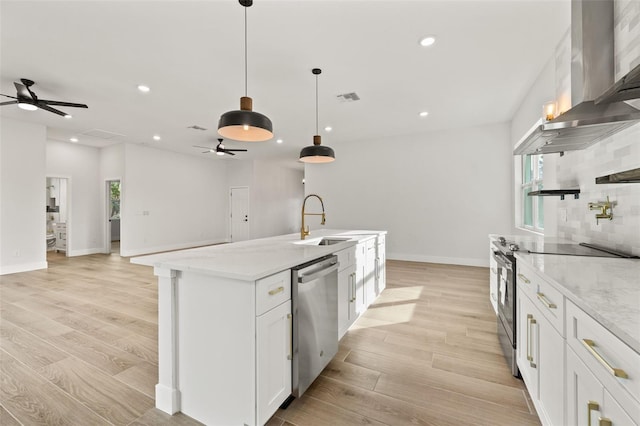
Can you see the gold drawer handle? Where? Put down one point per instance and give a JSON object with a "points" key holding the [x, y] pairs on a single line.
{"points": [[546, 301], [603, 421], [591, 347], [276, 291], [523, 278], [591, 406]]}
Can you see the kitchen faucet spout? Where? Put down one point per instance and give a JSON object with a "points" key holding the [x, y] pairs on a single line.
{"points": [[304, 232]]}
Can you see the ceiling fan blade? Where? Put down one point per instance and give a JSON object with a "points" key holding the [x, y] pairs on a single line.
{"points": [[8, 103], [59, 103], [8, 96], [227, 152], [23, 91], [203, 147], [206, 152], [239, 150], [53, 110]]}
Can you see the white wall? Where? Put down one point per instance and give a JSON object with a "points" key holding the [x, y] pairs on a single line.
{"points": [[171, 201], [438, 194], [276, 196], [22, 195], [81, 165]]}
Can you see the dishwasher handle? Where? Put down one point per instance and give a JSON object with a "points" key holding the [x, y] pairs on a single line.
{"points": [[318, 274]]}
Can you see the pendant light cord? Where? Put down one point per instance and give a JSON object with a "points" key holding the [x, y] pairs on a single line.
{"points": [[245, 52], [317, 104]]}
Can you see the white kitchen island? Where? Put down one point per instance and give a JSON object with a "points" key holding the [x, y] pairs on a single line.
{"points": [[224, 322]]}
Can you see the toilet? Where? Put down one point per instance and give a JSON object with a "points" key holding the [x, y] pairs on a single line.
{"points": [[51, 241]]}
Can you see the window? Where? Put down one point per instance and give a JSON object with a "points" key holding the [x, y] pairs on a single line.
{"points": [[532, 207], [115, 199]]}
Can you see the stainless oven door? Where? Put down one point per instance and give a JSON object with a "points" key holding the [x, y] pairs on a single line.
{"points": [[507, 310]]}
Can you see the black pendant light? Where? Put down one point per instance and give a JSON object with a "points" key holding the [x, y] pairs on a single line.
{"points": [[245, 124], [317, 153]]}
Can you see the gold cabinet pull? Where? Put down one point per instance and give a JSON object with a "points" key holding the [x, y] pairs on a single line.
{"points": [[546, 301], [276, 291], [603, 421], [591, 347], [530, 322], [591, 406], [353, 283], [290, 318], [523, 278]]}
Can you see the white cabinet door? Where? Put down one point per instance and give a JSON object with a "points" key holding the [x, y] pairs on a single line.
{"points": [[550, 357], [360, 291], [370, 272], [273, 360], [527, 328], [493, 280], [381, 271], [541, 360], [584, 393], [346, 302]]}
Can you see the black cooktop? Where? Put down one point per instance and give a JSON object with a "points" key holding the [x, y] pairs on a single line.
{"points": [[566, 249], [581, 249]]}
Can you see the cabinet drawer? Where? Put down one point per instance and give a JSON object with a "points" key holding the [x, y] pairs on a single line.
{"points": [[609, 358], [272, 291], [547, 299], [346, 257]]}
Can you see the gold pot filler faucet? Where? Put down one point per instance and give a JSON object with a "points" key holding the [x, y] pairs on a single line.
{"points": [[304, 232]]}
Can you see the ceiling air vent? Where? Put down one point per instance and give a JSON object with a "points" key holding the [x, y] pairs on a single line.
{"points": [[196, 127], [348, 97], [102, 134]]}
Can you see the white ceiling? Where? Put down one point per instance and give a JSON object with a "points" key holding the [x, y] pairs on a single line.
{"points": [[487, 55]]}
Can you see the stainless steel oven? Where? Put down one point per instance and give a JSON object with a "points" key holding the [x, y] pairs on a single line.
{"points": [[506, 324]]}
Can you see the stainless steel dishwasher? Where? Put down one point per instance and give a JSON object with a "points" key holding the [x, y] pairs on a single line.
{"points": [[314, 298]]}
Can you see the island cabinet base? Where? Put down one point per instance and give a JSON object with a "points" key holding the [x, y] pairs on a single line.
{"points": [[208, 341]]}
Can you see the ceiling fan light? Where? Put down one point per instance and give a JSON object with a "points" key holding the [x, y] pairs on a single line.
{"points": [[220, 153], [244, 124], [26, 106]]}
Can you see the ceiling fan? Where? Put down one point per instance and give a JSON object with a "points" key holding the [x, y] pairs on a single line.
{"points": [[220, 149], [28, 100]]}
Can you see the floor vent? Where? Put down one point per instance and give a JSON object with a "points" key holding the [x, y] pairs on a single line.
{"points": [[348, 97]]}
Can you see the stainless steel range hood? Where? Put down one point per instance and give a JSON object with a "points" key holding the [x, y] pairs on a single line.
{"points": [[592, 70]]}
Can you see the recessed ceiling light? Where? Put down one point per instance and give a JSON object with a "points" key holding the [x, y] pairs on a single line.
{"points": [[328, 129], [143, 88], [424, 114], [279, 141], [156, 137], [74, 140], [427, 41]]}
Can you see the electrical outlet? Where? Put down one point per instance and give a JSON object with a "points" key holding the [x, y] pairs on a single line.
{"points": [[563, 215]]}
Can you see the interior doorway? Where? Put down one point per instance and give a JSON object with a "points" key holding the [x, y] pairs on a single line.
{"points": [[112, 240], [57, 211], [239, 202]]}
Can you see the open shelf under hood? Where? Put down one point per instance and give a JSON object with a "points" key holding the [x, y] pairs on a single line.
{"points": [[629, 176], [556, 193], [578, 128]]}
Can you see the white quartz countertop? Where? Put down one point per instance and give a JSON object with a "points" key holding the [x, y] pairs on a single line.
{"points": [[608, 289], [254, 259]]}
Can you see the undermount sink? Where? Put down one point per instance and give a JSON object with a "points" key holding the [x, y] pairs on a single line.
{"points": [[326, 241]]}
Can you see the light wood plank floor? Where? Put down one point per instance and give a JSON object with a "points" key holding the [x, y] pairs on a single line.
{"points": [[78, 346]]}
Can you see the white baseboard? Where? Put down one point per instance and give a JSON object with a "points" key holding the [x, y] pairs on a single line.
{"points": [[23, 267], [169, 247], [167, 399], [85, 252], [437, 259]]}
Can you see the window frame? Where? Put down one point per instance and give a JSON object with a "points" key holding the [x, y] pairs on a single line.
{"points": [[535, 183]]}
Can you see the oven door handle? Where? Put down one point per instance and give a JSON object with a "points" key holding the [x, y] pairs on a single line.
{"points": [[502, 260]]}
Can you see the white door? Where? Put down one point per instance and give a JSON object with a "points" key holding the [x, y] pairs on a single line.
{"points": [[239, 203]]}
